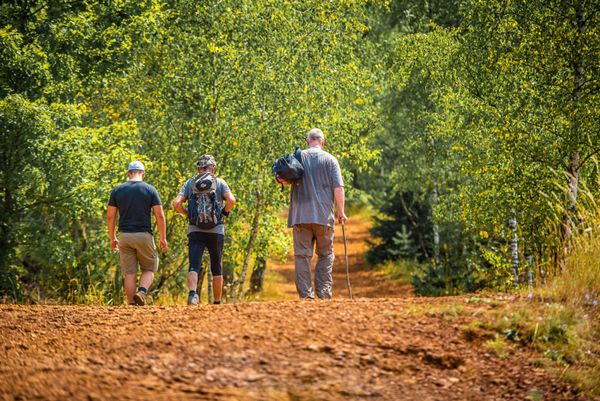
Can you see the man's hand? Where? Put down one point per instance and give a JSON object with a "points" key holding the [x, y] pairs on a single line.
{"points": [[339, 196], [281, 181], [114, 244], [163, 245]]}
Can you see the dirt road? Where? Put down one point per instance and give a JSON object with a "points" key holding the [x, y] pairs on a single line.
{"points": [[383, 349], [400, 348]]}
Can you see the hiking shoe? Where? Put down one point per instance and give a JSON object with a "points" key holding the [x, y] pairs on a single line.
{"points": [[193, 299], [140, 298], [217, 302]]}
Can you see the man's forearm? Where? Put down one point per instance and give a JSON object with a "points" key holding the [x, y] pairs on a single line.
{"points": [[110, 222], [339, 195], [162, 227], [159, 214]]}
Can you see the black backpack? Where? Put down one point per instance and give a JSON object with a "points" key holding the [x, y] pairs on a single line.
{"points": [[289, 167], [204, 210]]}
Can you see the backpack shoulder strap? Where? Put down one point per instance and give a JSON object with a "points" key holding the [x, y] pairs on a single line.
{"points": [[298, 154]]}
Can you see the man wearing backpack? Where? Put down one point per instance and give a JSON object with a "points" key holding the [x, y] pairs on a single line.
{"points": [[205, 194], [134, 200], [312, 218]]}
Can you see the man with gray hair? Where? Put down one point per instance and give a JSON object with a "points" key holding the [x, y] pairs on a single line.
{"points": [[312, 218], [134, 200]]}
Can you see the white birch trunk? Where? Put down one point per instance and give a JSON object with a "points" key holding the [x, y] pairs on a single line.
{"points": [[529, 269], [575, 157], [514, 249], [436, 233]]}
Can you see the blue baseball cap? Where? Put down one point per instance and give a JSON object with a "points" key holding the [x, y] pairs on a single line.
{"points": [[135, 165]]}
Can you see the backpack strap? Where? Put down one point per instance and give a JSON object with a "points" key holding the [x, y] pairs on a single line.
{"points": [[298, 155]]}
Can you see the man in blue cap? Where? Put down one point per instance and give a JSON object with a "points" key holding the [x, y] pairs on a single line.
{"points": [[134, 200]]}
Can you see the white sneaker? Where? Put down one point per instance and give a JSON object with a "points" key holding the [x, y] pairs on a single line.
{"points": [[193, 299]]}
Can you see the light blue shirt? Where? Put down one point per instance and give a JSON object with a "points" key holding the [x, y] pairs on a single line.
{"points": [[222, 189], [313, 197]]}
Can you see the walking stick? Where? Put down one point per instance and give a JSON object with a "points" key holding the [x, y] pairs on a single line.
{"points": [[346, 256]]}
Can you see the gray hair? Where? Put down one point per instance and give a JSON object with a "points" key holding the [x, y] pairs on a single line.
{"points": [[315, 134]]}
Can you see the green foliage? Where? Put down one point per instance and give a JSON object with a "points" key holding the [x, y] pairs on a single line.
{"points": [[400, 270], [489, 118], [404, 227], [85, 87], [476, 111]]}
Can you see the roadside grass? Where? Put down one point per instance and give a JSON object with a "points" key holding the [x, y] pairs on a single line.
{"points": [[399, 270], [577, 290], [448, 313], [565, 338], [498, 346], [559, 322], [271, 288], [168, 298]]}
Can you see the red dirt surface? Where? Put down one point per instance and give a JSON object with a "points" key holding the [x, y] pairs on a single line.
{"points": [[402, 348], [373, 349]]}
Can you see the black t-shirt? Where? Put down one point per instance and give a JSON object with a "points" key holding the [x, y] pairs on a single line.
{"points": [[135, 200]]}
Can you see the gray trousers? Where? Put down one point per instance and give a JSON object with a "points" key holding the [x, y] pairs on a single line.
{"points": [[305, 237]]}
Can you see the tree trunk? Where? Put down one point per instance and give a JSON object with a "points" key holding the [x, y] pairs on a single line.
{"points": [[238, 285], [436, 231], [514, 249], [575, 157], [117, 291], [258, 275], [201, 275], [573, 184], [529, 269], [209, 285], [227, 280]]}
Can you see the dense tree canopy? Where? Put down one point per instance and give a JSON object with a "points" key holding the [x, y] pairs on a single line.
{"points": [[455, 118], [495, 125]]}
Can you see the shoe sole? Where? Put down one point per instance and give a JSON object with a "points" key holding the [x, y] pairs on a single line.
{"points": [[139, 301]]}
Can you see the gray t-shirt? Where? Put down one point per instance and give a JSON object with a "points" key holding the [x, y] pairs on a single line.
{"points": [[222, 189], [312, 198]]}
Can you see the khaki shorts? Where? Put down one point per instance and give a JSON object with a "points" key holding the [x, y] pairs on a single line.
{"points": [[137, 247]]}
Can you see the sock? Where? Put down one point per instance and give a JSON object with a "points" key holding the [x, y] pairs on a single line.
{"points": [[192, 292], [142, 289]]}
